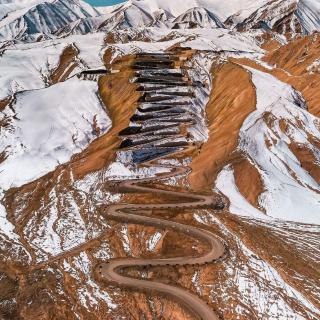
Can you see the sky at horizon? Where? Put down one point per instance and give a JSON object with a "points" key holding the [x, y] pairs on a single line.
{"points": [[101, 3]]}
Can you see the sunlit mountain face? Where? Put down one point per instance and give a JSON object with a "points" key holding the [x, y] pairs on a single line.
{"points": [[159, 159]]}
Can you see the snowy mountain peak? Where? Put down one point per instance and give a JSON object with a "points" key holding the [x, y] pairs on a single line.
{"points": [[39, 19], [197, 18]]}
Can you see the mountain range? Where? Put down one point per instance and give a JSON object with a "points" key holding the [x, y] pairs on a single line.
{"points": [[160, 159], [37, 20]]}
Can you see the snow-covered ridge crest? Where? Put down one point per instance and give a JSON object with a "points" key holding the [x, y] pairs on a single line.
{"points": [[179, 13], [308, 13], [197, 17], [223, 9]]}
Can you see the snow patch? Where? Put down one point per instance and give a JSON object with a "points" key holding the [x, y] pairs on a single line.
{"points": [[153, 241], [89, 293], [226, 184]]}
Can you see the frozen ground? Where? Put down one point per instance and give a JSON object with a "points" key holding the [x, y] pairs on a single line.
{"points": [[46, 125]]}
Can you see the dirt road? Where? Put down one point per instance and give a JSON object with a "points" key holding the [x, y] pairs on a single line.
{"points": [[156, 71]]}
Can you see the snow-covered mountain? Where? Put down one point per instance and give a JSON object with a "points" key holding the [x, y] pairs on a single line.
{"points": [[294, 16], [197, 18], [41, 18], [139, 14], [285, 17]]}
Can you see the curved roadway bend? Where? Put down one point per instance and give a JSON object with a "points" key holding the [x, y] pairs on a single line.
{"points": [[111, 270]]}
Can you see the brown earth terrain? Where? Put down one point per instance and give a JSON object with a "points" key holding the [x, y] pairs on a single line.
{"points": [[40, 192], [291, 64], [66, 65], [4, 103], [248, 181]]}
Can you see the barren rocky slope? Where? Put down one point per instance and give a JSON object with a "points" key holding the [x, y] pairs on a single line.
{"points": [[213, 112]]}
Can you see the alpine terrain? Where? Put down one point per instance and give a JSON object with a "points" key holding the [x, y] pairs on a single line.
{"points": [[160, 160]]}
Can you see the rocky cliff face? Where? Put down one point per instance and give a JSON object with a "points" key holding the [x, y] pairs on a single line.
{"points": [[224, 99]]}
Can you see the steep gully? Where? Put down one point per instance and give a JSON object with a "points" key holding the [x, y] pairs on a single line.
{"points": [[164, 106]]}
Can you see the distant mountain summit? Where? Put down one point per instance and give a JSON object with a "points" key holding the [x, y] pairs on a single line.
{"points": [[41, 19], [290, 16]]}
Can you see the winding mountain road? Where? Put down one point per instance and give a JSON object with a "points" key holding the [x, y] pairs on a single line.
{"points": [[111, 270]]}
